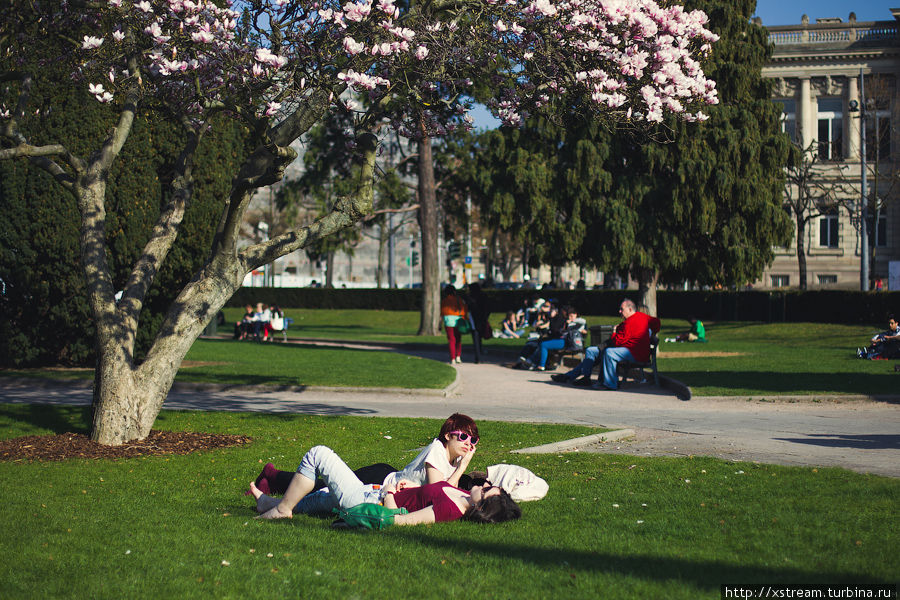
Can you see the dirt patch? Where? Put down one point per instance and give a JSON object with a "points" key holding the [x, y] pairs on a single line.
{"points": [[698, 354], [77, 445]]}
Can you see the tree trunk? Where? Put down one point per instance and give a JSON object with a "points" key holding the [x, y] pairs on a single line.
{"points": [[129, 398], [379, 268], [428, 225], [646, 299], [329, 270], [801, 252]]}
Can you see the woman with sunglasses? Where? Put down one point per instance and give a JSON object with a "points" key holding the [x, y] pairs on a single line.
{"points": [[430, 503], [446, 458]]}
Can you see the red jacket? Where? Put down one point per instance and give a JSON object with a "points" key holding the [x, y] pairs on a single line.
{"points": [[633, 333]]}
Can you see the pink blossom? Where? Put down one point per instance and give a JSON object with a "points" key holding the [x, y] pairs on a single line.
{"points": [[353, 47], [272, 108], [203, 37], [144, 6], [91, 42], [118, 35], [421, 52]]}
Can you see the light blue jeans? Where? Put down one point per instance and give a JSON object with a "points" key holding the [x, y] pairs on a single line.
{"points": [[587, 365], [612, 357], [540, 355], [344, 489]]}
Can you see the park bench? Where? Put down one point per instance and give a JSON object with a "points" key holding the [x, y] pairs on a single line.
{"points": [[600, 335], [630, 368]]}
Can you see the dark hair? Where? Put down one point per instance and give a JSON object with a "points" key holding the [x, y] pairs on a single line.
{"points": [[457, 422], [448, 290], [495, 509], [891, 317], [568, 309]]}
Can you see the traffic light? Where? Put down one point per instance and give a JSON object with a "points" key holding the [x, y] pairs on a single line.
{"points": [[415, 258], [453, 250]]}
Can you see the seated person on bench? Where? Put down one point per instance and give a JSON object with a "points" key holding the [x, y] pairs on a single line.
{"points": [[629, 342]]}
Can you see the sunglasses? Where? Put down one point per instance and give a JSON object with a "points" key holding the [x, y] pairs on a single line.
{"points": [[463, 436]]}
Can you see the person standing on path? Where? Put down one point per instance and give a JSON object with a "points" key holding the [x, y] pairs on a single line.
{"points": [[455, 314]]}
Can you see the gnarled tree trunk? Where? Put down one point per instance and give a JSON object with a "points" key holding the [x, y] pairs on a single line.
{"points": [[428, 225]]}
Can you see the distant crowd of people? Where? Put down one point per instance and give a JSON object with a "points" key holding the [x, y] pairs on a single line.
{"points": [[259, 323]]}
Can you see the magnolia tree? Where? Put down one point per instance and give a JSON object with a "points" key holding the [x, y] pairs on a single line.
{"points": [[279, 66]]}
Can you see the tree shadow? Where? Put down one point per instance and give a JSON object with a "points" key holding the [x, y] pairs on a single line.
{"points": [[56, 418], [792, 383], [868, 442], [703, 574]]}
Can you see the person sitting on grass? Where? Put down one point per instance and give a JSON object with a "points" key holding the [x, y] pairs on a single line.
{"points": [[445, 459], [430, 503], [509, 327], [883, 345], [696, 334]]}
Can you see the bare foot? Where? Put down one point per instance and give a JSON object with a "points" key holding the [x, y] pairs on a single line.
{"points": [[267, 505], [276, 513]]}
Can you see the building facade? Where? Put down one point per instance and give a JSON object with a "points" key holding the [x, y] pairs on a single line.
{"points": [[820, 72]]}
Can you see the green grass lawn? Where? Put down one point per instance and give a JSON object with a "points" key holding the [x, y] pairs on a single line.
{"points": [[777, 359], [741, 359], [612, 526]]}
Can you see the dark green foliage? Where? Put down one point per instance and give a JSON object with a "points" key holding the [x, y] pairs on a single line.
{"points": [[46, 316], [690, 201]]}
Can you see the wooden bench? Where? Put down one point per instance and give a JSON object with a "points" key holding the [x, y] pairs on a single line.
{"points": [[600, 335], [556, 357], [628, 367]]}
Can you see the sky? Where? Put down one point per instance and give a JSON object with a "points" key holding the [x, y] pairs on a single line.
{"points": [[788, 12]]}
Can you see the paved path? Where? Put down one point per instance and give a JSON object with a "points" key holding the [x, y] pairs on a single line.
{"points": [[858, 434]]}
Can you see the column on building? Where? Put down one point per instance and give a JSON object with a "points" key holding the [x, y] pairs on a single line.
{"points": [[852, 123], [807, 114]]}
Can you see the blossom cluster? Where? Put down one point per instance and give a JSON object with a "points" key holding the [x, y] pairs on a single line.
{"points": [[630, 58], [627, 56]]}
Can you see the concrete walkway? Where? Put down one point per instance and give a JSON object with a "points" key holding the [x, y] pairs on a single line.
{"points": [[854, 433]]}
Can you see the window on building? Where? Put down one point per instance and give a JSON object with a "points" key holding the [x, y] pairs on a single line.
{"points": [[789, 118], [827, 279], [781, 280], [831, 129], [828, 230], [878, 136]]}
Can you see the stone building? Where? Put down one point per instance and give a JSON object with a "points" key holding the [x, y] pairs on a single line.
{"points": [[816, 69]]}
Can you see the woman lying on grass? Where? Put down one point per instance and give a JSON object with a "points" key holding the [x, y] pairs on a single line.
{"points": [[445, 459], [430, 503]]}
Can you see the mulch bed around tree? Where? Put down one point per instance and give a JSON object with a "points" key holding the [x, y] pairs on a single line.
{"points": [[77, 445]]}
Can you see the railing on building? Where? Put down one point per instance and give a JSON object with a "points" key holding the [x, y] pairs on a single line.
{"points": [[831, 33]]}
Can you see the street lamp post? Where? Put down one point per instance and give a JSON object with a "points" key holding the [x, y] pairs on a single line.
{"points": [[863, 195]]}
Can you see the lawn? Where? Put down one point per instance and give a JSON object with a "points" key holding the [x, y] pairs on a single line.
{"points": [[741, 359], [612, 526]]}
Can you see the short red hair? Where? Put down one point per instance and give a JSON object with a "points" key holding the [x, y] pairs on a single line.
{"points": [[458, 422]]}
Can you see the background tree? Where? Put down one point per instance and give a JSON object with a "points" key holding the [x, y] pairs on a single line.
{"points": [[47, 317], [809, 193]]}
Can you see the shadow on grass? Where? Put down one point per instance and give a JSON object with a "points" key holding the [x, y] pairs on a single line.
{"points": [[788, 383], [240, 379], [869, 442], [703, 574], [235, 402], [58, 419]]}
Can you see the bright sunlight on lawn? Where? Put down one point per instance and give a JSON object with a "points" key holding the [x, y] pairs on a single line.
{"points": [[612, 526]]}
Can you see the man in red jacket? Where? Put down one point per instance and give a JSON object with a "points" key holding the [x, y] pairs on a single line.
{"points": [[631, 341]]}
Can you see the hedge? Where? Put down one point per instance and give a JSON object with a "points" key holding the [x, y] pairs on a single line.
{"points": [[821, 306]]}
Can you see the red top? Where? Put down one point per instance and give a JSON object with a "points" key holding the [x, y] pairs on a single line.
{"points": [[632, 333], [433, 494]]}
